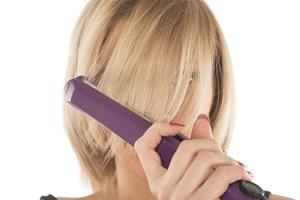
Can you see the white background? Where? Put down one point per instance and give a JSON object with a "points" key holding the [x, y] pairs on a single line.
{"points": [[35, 154]]}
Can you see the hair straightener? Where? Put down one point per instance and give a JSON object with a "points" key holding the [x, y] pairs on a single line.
{"points": [[130, 126]]}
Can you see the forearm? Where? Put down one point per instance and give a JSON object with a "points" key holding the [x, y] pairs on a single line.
{"points": [[277, 197]]}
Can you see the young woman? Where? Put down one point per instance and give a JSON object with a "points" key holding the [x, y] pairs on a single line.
{"points": [[166, 60]]}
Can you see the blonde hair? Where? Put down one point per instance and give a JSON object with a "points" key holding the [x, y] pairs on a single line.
{"points": [[143, 54]]}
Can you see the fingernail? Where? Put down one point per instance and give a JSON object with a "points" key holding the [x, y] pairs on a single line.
{"points": [[203, 116], [241, 164], [176, 124], [250, 173]]}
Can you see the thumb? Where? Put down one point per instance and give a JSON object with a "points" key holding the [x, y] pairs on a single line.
{"points": [[202, 128]]}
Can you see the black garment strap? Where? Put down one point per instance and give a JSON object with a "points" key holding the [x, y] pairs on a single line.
{"points": [[267, 194], [49, 197]]}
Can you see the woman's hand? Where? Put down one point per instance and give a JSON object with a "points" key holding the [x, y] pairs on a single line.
{"points": [[198, 170]]}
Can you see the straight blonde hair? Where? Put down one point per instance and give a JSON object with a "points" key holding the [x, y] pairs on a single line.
{"points": [[143, 54]]}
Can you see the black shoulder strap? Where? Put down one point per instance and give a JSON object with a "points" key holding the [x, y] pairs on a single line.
{"points": [[49, 197]]}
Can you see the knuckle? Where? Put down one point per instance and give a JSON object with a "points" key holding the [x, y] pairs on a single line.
{"points": [[213, 141], [221, 170], [153, 127], [237, 173], [184, 146], [230, 160], [230, 172], [156, 125], [215, 144], [240, 170]]}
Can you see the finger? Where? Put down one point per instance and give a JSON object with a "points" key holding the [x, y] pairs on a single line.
{"points": [[185, 154], [202, 128], [218, 182], [201, 167], [145, 148]]}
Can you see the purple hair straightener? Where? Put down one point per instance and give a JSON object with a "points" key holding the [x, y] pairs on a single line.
{"points": [[130, 126]]}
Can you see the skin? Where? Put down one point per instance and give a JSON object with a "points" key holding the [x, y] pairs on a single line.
{"points": [[141, 176]]}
